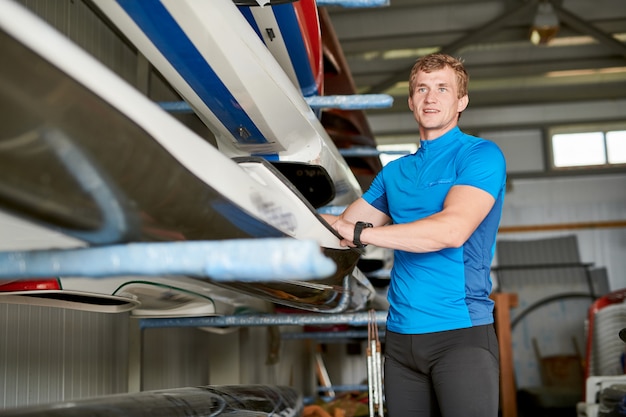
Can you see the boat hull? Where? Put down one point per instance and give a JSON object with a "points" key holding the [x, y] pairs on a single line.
{"points": [[232, 401]]}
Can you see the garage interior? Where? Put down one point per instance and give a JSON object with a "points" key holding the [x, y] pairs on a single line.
{"points": [[561, 241]]}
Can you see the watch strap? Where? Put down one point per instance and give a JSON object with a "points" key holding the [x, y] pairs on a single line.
{"points": [[358, 228]]}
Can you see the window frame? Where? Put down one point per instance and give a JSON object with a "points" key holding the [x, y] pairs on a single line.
{"points": [[583, 129]]}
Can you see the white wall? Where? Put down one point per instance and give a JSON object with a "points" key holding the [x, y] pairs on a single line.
{"points": [[559, 202], [523, 149]]}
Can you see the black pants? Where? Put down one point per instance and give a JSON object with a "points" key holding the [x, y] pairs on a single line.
{"points": [[450, 374]]}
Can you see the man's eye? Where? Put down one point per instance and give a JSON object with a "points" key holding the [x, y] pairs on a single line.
{"points": [[443, 89]]}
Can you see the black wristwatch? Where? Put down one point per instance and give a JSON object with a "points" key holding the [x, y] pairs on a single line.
{"points": [[358, 228]]}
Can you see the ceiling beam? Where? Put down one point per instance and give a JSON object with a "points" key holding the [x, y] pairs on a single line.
{"points": [[510, 117], [580, 25], [482, 33]]}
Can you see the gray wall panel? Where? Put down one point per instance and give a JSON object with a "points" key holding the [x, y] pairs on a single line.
{"points": [[51, 354]]}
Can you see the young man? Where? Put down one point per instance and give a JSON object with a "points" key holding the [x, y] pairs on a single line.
{"points": [[439, 209]]}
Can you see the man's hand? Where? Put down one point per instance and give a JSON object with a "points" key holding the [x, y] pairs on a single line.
{"points": [[346, 231]]}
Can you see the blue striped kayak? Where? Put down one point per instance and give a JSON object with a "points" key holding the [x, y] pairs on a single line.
{"points": [[292, 34], [216, 61]]}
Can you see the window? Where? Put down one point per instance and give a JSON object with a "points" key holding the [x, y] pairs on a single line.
{"points": [[589, 148], [394, 151], [616, 146]]}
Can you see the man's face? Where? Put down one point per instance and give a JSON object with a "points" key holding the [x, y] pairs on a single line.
{"points": [[435, 103]]}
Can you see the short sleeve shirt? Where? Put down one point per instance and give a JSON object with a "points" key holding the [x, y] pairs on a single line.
{"points": [[448, 289]]}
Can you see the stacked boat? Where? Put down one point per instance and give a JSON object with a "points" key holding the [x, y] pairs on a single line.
{"points": [[85, 155]]}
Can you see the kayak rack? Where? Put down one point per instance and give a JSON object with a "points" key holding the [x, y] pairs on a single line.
{"points": [[247, 260], [342, 102], [311, 319]]}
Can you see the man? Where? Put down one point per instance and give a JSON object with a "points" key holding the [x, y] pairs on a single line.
{"points": [[439, 209]]}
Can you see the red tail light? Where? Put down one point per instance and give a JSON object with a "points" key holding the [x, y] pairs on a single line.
{"points": [[30, 285]]}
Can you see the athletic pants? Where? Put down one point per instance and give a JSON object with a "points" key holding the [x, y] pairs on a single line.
{"points": [[449, 374]]}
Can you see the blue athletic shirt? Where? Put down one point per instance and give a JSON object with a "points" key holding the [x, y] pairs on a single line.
{"points": [[448, 289]]}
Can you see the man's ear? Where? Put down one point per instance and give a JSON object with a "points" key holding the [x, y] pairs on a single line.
{"points": [[463, 102], [410, 103]]}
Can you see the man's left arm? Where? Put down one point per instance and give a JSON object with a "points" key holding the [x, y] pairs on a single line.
{"points": [[464, 208]]}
